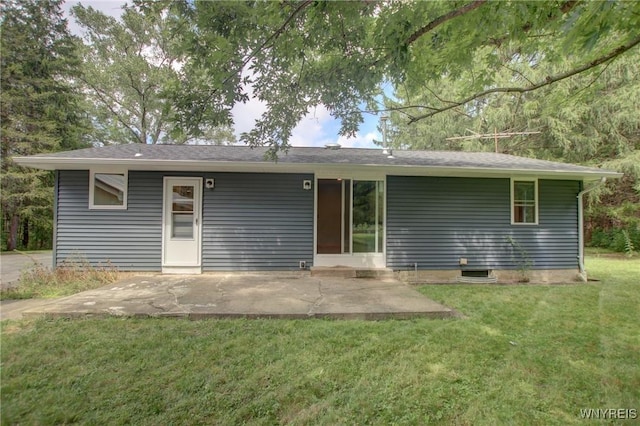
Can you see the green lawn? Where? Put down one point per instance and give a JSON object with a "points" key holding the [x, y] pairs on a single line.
{"points": [[524, 355]]}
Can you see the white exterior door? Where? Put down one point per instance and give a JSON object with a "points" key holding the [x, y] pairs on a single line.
{"points": [[181, 225]]}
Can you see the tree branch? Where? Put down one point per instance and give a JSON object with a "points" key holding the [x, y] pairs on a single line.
{"points": [[515, 71], [565, 8], [277, 33], [268, 40], [547, 81], [594, 79], [442, 19], [101, 96], [435, 95]]}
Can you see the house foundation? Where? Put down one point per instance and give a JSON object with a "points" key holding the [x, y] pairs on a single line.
{"points": [[541, 276]]}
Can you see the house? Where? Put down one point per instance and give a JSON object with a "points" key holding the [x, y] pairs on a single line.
{"points": [[438, 215]]}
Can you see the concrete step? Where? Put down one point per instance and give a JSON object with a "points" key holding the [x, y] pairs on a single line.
{"points": [[348, 272]]}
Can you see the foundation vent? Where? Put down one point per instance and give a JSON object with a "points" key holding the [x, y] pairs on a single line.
{"points": [[476, 276]]}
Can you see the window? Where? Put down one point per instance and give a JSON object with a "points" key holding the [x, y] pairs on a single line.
{"points": [[182, 212], [108, 190], [524, 202]]}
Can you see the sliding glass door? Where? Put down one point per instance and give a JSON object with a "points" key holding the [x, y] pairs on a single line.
{"points": [[350, 216]]}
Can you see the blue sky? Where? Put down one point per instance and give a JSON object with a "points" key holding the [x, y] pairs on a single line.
{"points": [[318, 128]]}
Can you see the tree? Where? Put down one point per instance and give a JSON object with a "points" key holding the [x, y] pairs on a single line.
{"points": [[297, 55], [39, 111], [128, 66], [589, 118]]}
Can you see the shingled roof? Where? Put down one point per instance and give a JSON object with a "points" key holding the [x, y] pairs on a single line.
{"points": [[226, 158]]}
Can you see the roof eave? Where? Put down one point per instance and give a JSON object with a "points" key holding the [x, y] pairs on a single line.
{"points": [[57, 163]]}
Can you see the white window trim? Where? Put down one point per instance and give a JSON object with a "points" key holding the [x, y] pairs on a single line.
{"points": [[537, 201], [125, 195]]}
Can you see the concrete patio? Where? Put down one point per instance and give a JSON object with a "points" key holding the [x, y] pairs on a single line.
{"points": [[240, 295]]}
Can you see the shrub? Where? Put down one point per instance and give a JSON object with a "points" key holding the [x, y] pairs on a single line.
{"points": [[617, 239]]}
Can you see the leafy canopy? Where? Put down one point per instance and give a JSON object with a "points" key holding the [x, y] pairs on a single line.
{"points": [[294, 56], [129, 66]]}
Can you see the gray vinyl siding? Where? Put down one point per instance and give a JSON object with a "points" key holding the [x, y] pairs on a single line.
{"points": [[257, 222], [435, 221], [130, 239], [56, 183], [250, 221]]}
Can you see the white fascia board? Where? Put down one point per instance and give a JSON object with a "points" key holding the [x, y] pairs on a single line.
{"points": [[485, 172], [57, 163]]}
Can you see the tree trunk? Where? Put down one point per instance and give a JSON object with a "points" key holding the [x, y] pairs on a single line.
{"points": [[13, 233], [25, 234]]}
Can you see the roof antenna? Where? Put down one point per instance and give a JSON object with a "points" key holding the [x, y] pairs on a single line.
{"points": [[495, 136], [385, 150]]}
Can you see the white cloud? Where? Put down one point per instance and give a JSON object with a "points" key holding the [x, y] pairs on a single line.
{"points": [[317, 128], [245, 115], [360, 141], [312, 129]]}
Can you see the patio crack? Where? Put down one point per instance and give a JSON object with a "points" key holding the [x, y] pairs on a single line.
{"points": [[176, 303], [139, 301], [223, 294], [152, 304], [318, 300]]}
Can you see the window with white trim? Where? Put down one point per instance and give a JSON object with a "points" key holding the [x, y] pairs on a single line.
{"points": [[108, 190], [524, 201]]}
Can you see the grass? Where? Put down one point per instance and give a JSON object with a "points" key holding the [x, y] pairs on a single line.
{"points": [[524, 355], [26, 252], [74, 276], [605, 252]]}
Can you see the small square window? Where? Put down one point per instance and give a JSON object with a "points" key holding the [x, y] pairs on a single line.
{"points": [[524, 202], [108, 190]]}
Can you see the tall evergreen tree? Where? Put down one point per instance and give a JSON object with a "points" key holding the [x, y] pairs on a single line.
{"points": [[40, 111]]}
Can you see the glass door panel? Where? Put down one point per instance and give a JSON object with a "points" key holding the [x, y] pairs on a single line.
{"points": [[182, 211], [346, 216], [380, 217], [368, 216]]}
